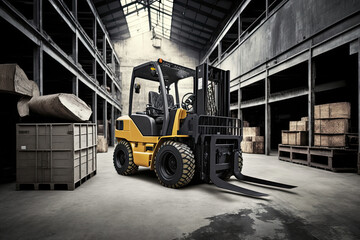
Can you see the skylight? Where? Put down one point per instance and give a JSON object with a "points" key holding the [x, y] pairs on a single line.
{"points": [[137, 16]]}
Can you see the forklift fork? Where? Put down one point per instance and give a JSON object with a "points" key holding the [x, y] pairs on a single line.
{"points": [[234, 166]]}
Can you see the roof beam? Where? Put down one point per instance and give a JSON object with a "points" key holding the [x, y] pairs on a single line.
{"points": [[149, 13], [121, 32], [180, 15], [193, 27], [185, 44], [115, 10], [115, 19], [182, 37], [190, 33], [115, 26], [198, 11], [209, 5], [103, 3]]}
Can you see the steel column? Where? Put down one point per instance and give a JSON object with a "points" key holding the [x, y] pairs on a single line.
{"points": [[74, 8], [267, 115], [112, 129], [94, 107], [38, 67], [75, 86], [105, 118], [311, 96], [359, 104]]}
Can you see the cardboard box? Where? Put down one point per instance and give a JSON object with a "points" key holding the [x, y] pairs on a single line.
{"points": [[294, 138], [246, 124], [298, 126], [305, 119], [322, 140], [102, 144], [331, 126], [251, 131], [254, 138], [333, 110], [252, 147]]}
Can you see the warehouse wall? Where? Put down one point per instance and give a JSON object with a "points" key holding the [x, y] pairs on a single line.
{"points": [[302, 53], [139, 49], [292, 24]]}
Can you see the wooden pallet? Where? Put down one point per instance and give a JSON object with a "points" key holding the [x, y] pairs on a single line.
{"points": [[54, 186], [333, 159]]}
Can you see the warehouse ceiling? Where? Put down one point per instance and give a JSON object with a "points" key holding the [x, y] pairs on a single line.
{"points": [[194, 23]]}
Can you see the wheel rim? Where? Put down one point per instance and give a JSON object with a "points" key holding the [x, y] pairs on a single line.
{"points": [[120, 159], [168, 165]]}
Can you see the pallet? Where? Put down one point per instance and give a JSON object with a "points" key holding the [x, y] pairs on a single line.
{"points": [[54, 186], [333, 159]]}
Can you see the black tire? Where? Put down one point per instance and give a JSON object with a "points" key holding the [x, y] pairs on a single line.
{"points": [[123, 159], [227, 175], [174, 164]]}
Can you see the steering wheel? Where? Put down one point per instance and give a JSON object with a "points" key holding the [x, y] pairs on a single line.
{"points": [[187, 101]]}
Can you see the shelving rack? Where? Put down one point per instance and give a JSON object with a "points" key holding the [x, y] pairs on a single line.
{"points": [[64, 47]]}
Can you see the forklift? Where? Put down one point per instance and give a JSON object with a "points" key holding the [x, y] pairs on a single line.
{"points": [[194, 139]]}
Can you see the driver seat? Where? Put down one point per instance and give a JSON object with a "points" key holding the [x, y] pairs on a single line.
{"points": [[155, 100]]}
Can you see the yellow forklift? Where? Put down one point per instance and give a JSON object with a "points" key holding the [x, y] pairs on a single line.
{"points": [[192, 139]]}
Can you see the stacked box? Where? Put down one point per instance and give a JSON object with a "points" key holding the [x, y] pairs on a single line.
{"points": [[252, 141], [55, 153], [340, 110], [298, 126], [299, 138], [297, 133], [332, 124]]}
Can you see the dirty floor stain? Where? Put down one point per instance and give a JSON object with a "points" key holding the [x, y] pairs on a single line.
{"points": [[265, 222]]}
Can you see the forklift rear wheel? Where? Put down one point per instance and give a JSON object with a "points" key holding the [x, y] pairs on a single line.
{"points": [[227, 175], [123, 159], [174, 164]]}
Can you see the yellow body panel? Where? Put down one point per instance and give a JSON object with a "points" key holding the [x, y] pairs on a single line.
{"points": [[139, 143]]}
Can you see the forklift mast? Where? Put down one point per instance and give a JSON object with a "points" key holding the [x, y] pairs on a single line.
{"points": [[212, 87]]}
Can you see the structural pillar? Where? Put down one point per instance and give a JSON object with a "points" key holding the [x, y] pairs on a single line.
{"points": [[74, 8], [311, 97], [219, 52], [239, 28], [112, 129], [267, 115], [94, 108], [359, 104], [38, 50], [75, 86], [105, 118], [239, 102], [38, 67]]}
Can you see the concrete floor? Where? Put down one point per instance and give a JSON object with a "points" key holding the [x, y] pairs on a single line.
{"points": [[325, 205]]}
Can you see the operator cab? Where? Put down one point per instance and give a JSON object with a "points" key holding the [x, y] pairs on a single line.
{"points": [[157, 84]]}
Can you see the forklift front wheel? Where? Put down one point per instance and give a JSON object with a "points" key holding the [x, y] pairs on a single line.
{"points": [[123, 159], [174, 164]]}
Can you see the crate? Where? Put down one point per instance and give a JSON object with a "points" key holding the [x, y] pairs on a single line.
{"points": [[334, 159], [305, 119], [298, 126], [251, 131], [252, 147], [294, 138], [254, 138], [55, 153], [333, 110], [331, 126]]}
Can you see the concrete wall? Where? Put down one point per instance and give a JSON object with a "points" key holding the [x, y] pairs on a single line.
{"points": [[139, 49], [292, 24]]}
